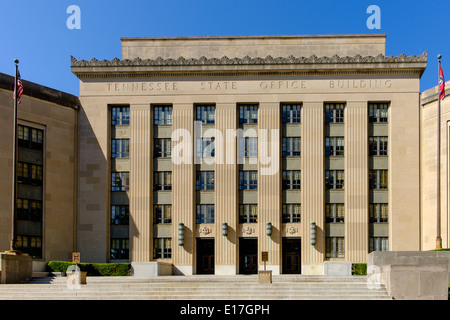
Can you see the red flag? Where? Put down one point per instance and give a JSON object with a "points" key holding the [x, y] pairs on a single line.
{"points": [[441, 84], [19, 88]]}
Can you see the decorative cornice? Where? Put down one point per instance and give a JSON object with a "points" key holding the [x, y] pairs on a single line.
{"points": [[269, 60]]}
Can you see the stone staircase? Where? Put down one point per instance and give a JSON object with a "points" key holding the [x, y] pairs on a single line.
{"points": [[240, 287]]}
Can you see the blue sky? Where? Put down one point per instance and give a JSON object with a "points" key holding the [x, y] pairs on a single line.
{"points": [[36, 33]]}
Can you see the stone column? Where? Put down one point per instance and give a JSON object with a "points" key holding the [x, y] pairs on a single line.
{"points": [[225, 193], [356, 182], [141, 183], [269, 185], [313, 181]]}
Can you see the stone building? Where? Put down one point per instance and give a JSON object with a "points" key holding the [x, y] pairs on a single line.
{"points": [[243, 145]]}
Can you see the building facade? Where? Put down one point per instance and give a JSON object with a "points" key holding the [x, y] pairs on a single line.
{"points": [[45, 220], [205, 152]]}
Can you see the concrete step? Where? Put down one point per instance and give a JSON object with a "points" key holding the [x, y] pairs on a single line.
{"points": [[195, 288]]}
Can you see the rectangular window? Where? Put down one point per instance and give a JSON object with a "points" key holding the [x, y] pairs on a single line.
{"points": [[205, 113], [334, 212], [163, 180], [334, 112], [378, 212], [205, 213], [334, 146], [378, 112], [378, 179], [205, 148], [119, 248], [290, 147], [162, 115], [248, 114], [335, 247], [162, 213], [205, 180], [248, 180], [120, 215], [120, 148], [248, 147], [120, 115], [162, 248], [29, 210], [30, 137], [291, 180], [163, 148], [248, 213], [120, 181], [30, 174], [334, 179], [32, 245], [291, 113], [378, 146], [378, 244], [291, 212]]}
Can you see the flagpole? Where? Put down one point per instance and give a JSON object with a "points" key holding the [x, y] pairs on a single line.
{"points": [[438, 226], [15, 157]]}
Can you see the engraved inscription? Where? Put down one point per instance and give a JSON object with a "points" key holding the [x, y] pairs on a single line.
{"points": [[360, 84], [143, 86], [218, 85], [283, 84]]}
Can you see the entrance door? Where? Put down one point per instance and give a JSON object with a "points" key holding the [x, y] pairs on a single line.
{"points": [[291, 255], [205, 256], [248, 256]]}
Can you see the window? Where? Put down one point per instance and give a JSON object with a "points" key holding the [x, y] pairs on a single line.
{"points": [[378, 146], [120, 215], [378, 179], [248, 213], [248, 114], [30, 210], [163, 148], [119, 248], [205, 148], [291, 212], [120, 148], [290, 147], [205, 180], [378, 244], [30, 174], [29, 244], [162, 248], [120, 181], [206, 114], [290, 113], [378, 212], [163, 180], [334, 146], [248, 147], [162, 115], [334, 179], [334, 212], [30, 137], [120, 116], [162, 213], [248, 180], [378, 112], [334, 112], [205, 213], [291, 179], [335, 247]]}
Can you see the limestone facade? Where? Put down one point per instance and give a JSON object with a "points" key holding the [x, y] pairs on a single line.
{"points": [[371, 176]]}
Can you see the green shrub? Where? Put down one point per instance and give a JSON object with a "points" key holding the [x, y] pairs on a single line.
{"points": [[93, 269], [359, 269]]}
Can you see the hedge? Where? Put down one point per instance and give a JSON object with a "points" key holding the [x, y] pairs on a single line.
{"points": [[359, 269], [93, 269]]}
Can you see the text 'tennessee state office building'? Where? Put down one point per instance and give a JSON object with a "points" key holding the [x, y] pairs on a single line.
{"points": [[204, 152]]}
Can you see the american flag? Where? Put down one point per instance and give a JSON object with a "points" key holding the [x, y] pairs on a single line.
{"points": [[19, 88]]}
